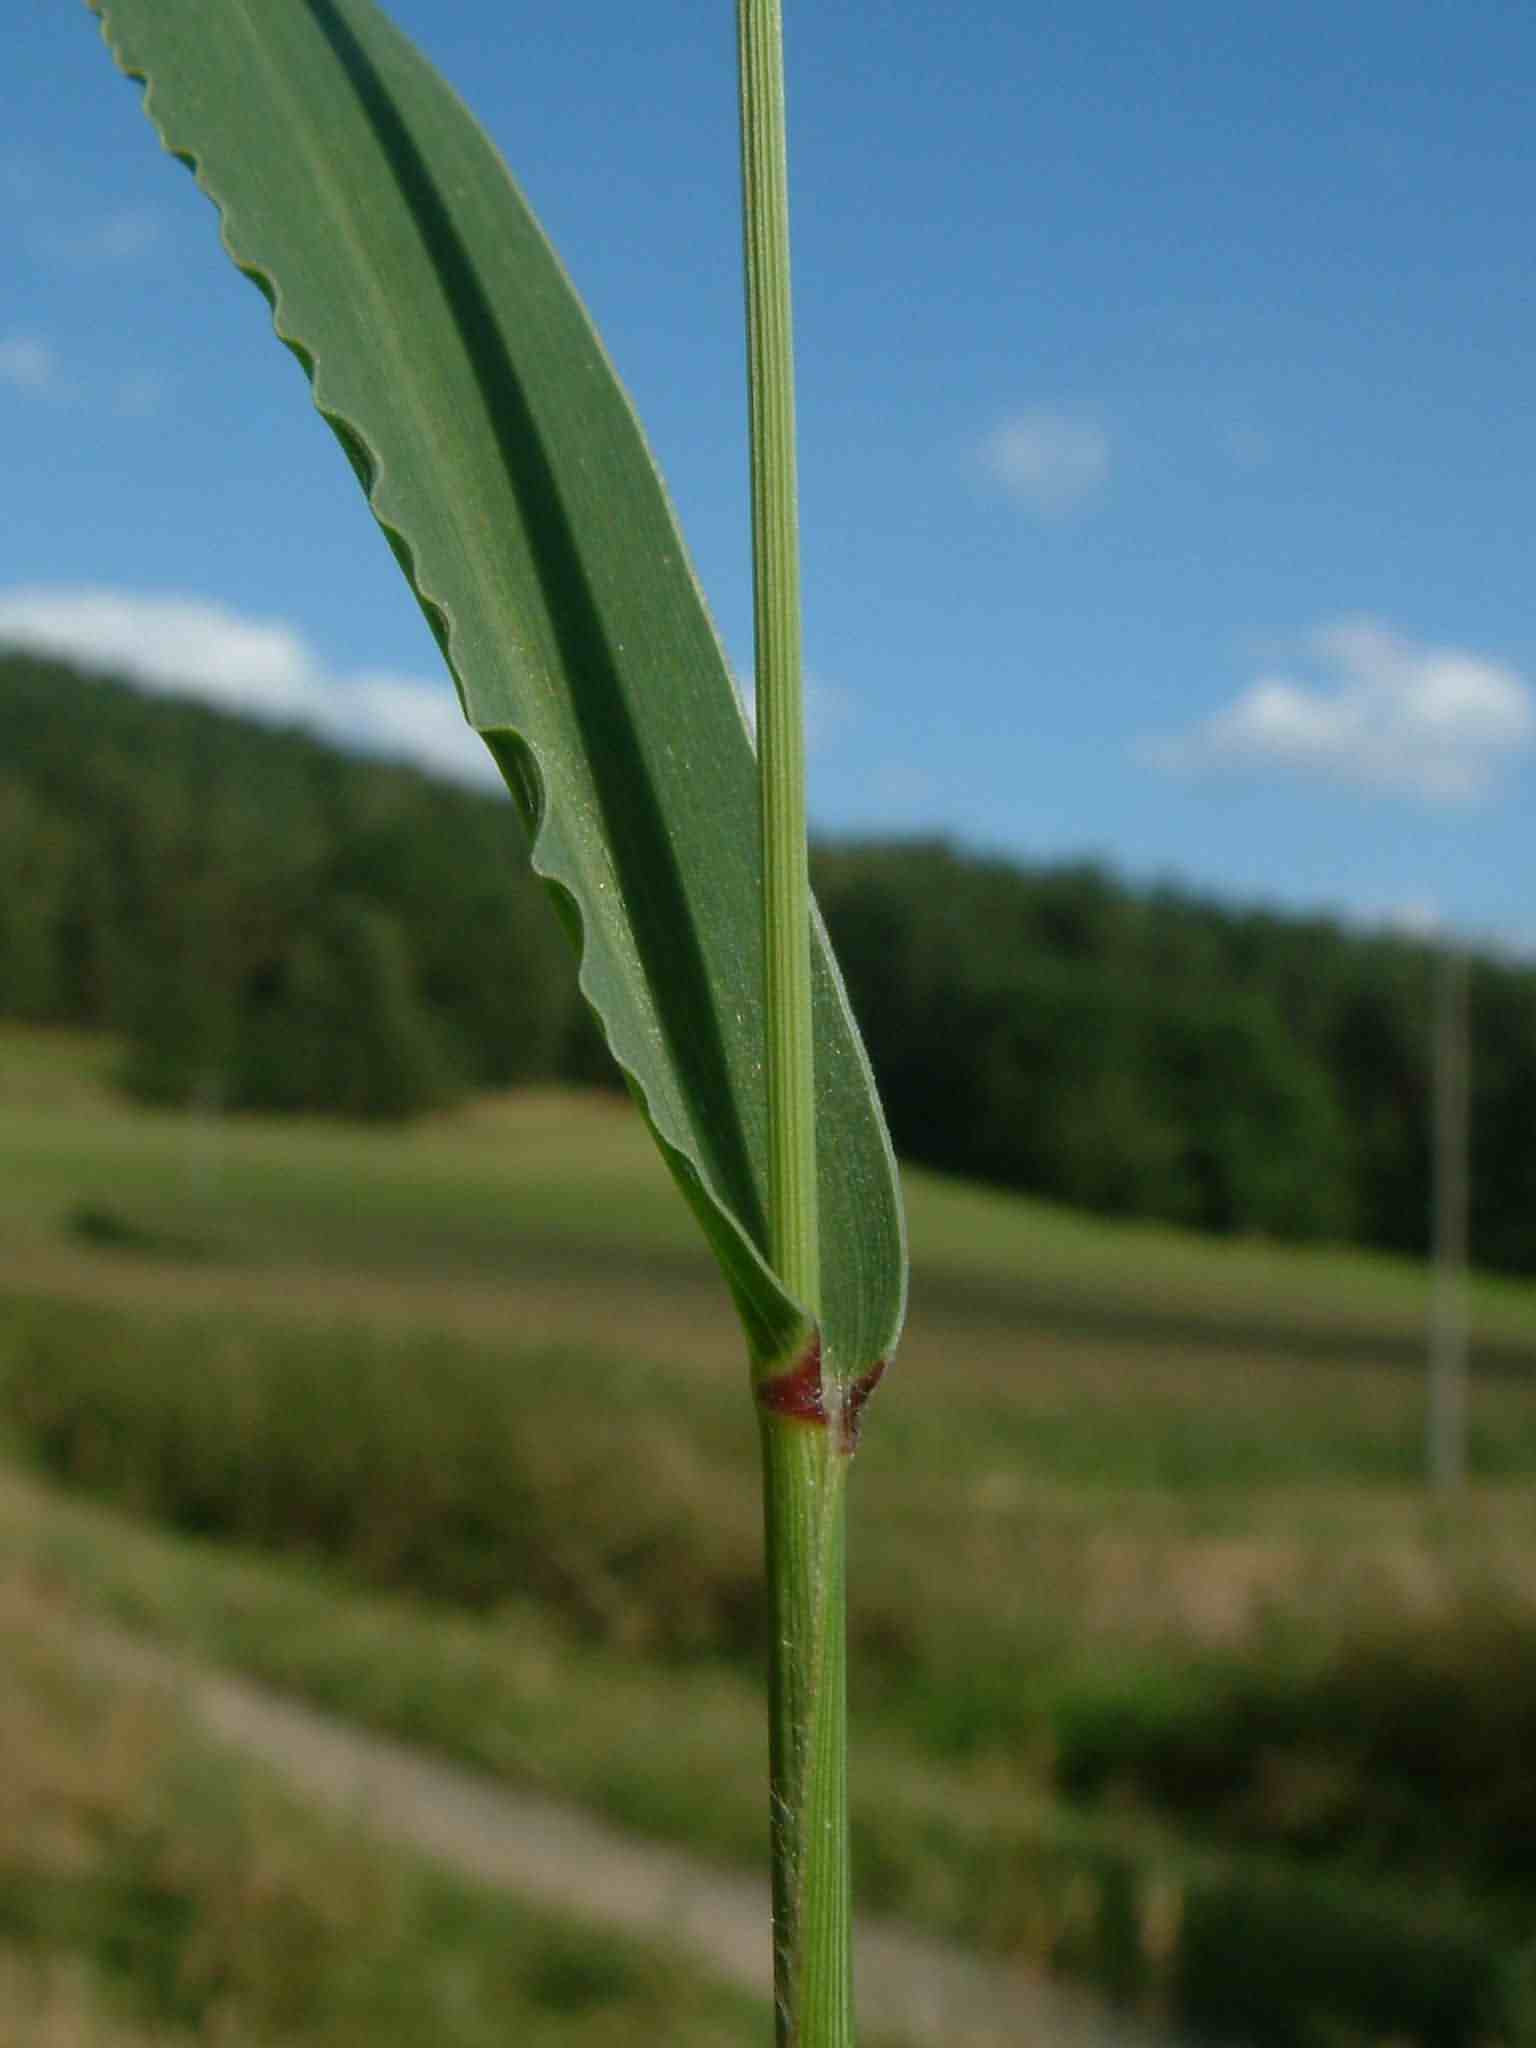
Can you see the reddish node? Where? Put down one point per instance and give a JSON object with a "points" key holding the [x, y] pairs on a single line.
{"points": [[853, 1407], [798, 1391]]}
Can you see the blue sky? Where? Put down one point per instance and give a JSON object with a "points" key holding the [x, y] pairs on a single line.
{"points": [[1168, 444]]}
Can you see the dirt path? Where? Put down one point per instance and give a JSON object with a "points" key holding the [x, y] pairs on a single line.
{"points": [[910, 1986]]}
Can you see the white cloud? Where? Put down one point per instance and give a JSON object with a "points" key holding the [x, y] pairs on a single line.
{"points": [[121, 238], [829, 711], [1380, 713], [189, 647], [829, 708], [418, 721], [32, 366], [1054, 461], [117, 239], [905, 787], [28, 364], [1414, 917], [139, 396]]}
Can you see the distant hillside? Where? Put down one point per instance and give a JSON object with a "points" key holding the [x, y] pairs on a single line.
{"points": [[270, 922]]}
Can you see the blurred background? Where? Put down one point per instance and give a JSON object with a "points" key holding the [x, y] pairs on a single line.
{"points": [[1166, 476]]}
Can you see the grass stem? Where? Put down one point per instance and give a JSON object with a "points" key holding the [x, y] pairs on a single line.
{"points": [[777, 635], [804, 1466], [804, 1481]]}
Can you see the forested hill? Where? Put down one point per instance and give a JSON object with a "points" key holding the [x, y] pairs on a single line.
{"points": [[269, 922]]}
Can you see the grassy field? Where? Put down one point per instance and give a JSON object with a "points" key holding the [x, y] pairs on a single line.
{"points": [[516, 1193], [155, 1892], [1167, 1672]]}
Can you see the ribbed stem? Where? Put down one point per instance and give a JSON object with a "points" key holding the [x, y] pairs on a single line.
{"points": [[804, 1493], [777, 663], [804, 1468]]}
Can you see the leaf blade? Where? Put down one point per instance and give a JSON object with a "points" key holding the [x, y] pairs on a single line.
{"points": [[453, 359]]}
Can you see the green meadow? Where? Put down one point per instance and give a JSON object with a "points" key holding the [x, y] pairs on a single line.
{"points": [[1168, 1673], [155, 1892]]}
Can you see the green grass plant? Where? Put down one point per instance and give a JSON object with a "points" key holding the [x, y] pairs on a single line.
{"points": [[448, 350], [809, 1392]]}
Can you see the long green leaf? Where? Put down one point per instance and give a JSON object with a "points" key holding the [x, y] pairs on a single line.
{"points": [[499, 452]]}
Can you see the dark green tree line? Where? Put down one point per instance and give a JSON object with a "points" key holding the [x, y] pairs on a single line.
{"points": [[268, 922]]}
